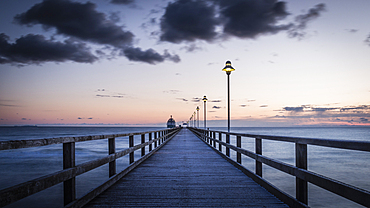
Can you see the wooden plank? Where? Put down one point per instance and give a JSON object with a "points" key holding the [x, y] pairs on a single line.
{"points": [[190, 176]]}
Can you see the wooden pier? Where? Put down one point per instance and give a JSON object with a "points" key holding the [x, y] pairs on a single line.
{"points": [[186, 173], [184, 167]]}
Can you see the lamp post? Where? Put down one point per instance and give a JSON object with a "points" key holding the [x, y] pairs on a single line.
{"points": [[198, 116], [228, 69], [205, 110], [195, 120]]}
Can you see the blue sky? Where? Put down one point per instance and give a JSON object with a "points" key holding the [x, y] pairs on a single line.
{"points": [[135, 62]]}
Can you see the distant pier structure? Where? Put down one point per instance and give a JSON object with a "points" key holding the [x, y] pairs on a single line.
{"points": [[171, 123]]}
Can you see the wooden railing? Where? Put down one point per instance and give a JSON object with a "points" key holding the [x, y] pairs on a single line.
{"points": [[303, 176], [70, 170]]}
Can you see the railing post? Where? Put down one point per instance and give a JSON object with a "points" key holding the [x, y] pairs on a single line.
{"points": [[238, 154], [259, 152], [150, 139], [112, 150], [155, 137], [209, 140], [131, 144], [219, 144], [142, 142], [69, 186], [214, 137], [228, 142], [301, 162]]}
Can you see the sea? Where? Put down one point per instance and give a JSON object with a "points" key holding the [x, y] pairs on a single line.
{"points": [[21, 165]]}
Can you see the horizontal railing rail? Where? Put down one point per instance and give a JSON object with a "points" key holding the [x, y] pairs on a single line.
{"points": [[70, 170], [303, 176]]}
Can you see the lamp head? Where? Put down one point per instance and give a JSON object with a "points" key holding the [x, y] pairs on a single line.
{"points": [[228, 68], [204, 98], [197, 108]]}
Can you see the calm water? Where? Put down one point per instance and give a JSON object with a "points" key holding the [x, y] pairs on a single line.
{"points": [[17, 166]]}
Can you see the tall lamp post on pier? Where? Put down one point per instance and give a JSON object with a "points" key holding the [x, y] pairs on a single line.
{"points": [[205, 110], [228, 69], [198, 116], [195, 120]]}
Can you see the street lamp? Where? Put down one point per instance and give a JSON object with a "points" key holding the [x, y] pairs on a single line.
{"points": [[198, 115], [205, 110], [195, 120], [228, 69]]}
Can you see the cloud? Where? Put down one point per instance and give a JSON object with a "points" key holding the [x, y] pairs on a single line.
{"points": [[243, 105], [367, 40], [79, 20], [293, 109], [191, 48], [263, 106], [122, 1], [171, 91], [297, 31], [34, 49], [183, 99], [186, 20], [103, 95], [149, 56], [214, 101], [216, 107], [248, 19], [210, 20], [196, 100]]}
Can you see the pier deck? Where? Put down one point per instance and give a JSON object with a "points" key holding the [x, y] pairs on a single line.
{"points": [[186, 173]]}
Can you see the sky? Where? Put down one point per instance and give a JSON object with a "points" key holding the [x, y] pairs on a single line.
{"points": [[136, 62]]}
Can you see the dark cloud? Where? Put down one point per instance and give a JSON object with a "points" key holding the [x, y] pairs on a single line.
{"points": [[248, 19], [196, 100], [367, 40], [122, 1], [243, 105], [149, 56], [188, 20], [294, 109], [34, 49], [263, 106], [24, 119], [216, 107], [323, 109], [76, 19], [214, 101], [103, 95], [297, 31]]}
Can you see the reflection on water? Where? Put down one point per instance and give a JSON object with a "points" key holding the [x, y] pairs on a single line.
{"points": [[17, 166]]}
